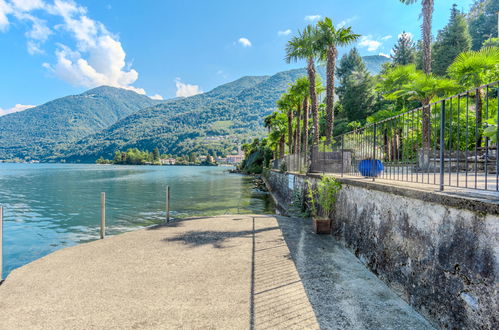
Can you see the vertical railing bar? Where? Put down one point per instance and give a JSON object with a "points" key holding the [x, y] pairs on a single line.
{"points": [[477, 96], [467, 139], [374, 152], [1, 244], [450, 141], [486, 160], [497, 140], [442, 144], [412, 140], [342, 155], [458, 138], [435, 131]]}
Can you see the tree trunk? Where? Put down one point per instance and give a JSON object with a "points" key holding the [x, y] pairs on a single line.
{"points": [[426, 28], [426, 126], [331, 64], [290, 131], [305, 125], [297, 130], [282, 142], [313, 98]]}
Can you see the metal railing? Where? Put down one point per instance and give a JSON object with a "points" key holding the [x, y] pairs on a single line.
{"points": [[441, 144]]}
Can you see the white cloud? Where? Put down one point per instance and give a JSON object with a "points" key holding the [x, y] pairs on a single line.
{"points": [[16, 108], [97, 57], [384, 55], [284, 32], [346, 21], [312, 18], [245, 42], [186, 90], [387, 37], [369, 43], [5, 9], [27, 5], [156, 97]]}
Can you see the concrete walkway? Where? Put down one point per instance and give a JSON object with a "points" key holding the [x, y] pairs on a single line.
{"points": [[230, 272]]}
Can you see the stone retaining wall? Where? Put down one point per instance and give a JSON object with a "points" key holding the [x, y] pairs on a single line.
{"points": [[440, 253]]}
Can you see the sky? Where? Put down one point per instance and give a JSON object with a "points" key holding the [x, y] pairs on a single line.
{"points": [[171, 48]]}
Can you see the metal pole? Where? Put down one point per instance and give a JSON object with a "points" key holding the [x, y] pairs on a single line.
{"points": [[374, 153], [102, 215], [167, 203], [442, 144], [342, 161], [1, 243]]}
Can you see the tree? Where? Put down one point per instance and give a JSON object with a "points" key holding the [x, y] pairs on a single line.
{"points": [[285, 104], [304, 46], [404, 52], [473, 69], [491, 42], [329, 39], [483, 22], [427, 14], [356, 90], [155, 154], [423, 88], [452, 40], [277, 125]]}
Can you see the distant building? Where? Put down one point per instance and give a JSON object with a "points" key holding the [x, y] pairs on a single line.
{"points": [[234, 159], [168, 161]]}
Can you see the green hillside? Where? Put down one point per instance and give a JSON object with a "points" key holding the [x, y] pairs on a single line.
{"points": [[102, 120], [36, 132]]}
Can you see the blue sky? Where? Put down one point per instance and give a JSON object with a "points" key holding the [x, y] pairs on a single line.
{"points": [[167, 48]]}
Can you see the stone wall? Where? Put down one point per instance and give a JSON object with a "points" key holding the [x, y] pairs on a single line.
{"points": [[439, 252]]}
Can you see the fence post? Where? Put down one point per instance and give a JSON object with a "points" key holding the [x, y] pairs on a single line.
{"points": [[1, 244], [342, 160], [167, 203], [102, 215], [442, 144], [374, 152]]}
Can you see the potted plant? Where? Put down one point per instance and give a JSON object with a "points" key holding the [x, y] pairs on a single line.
{"points": [[322, 200]]}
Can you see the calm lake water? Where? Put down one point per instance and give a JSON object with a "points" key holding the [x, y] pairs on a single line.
{"points": [[52, 206]]}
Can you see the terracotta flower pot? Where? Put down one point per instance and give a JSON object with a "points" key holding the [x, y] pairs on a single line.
{"points": [[321, 225]]}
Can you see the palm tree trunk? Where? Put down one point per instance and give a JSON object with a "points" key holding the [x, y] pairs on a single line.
{"points": [[313, 98], [331, 64], [297, 130], [305, 125], [282, 142], [290, 131], [427, 21]]}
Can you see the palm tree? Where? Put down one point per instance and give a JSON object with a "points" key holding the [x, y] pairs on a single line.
{"points": [[473, 69], [427, 13], [277, 125], [329, 38], [424, 88], [285, 104], [305, 46]]}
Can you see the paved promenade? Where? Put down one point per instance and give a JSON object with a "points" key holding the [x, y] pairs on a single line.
{"points": [[229, 272]]}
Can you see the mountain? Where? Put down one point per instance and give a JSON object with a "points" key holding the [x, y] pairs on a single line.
{"points": [[37, 131], [374, 63], [217, 121], [102, 120]]}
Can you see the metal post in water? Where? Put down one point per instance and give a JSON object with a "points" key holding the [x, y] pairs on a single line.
{"points": [[102, 215], [1, 243], [167, 203]]}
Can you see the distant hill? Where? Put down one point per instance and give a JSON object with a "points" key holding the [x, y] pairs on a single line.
{"points": [[375, 62], [36, 132], [102, 120]]}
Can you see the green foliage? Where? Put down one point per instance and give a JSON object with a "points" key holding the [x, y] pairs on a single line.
{"points": [[322, 198], [356, 90], [491, 42], [257, 157], [404, 51], [475, 68], [491, 130], [452, 40], [483, 21]]}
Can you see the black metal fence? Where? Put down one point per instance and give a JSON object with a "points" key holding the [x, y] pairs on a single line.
{"points": [[442, 144]]}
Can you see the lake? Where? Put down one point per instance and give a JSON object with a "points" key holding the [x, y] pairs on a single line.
{"points": [[52, 206]]}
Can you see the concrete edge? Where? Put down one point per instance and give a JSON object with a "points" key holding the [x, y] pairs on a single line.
{"points": [[473, 204]]}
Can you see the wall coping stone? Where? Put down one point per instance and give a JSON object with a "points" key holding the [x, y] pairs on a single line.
{"points": [[468, 200]]}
